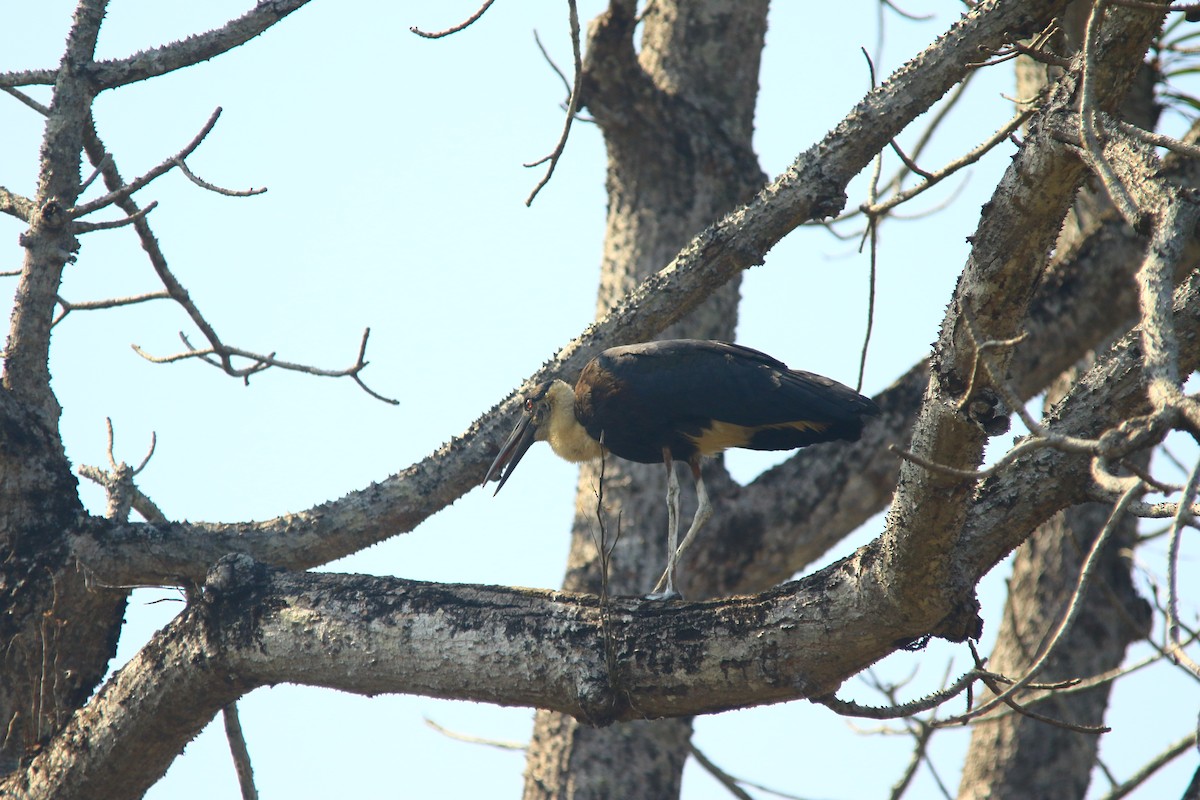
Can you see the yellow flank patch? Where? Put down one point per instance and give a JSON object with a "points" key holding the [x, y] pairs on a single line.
{"points": [[722, 435]]}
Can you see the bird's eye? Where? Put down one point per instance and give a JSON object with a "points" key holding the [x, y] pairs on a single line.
{"points": [[529, 406]]}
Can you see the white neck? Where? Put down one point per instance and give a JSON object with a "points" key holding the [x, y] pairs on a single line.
{"points": [[566, 436]]}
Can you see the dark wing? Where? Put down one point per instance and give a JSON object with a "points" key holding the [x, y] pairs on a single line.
{"points": [[690, 394]]}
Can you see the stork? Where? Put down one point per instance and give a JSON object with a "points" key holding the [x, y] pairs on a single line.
{"points": [[682, 400]]}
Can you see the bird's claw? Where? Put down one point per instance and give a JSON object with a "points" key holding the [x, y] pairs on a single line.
{"points": [[666, 594]]}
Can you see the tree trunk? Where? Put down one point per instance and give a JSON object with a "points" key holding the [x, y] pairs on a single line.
{"points": [[1016, 756], [57, 630], [678, 119]]}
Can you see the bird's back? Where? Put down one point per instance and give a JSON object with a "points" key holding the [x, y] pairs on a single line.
{"points": [[696, 395]]}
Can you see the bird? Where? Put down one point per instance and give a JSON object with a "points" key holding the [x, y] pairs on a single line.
{"points": [[681, 400]]}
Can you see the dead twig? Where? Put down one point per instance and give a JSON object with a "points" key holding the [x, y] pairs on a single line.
{"points": [[1068, 618], [471, 20], [572, 107], [239, 751], [259, 361], [136, 184]]}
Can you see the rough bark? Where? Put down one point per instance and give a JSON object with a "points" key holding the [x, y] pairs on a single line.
{"points": [[1013, 755], [57, 632]]}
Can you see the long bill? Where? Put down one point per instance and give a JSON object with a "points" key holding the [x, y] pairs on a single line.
{"points": [[510, 454]]}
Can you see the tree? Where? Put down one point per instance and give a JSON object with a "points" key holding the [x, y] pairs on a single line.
{"points": [[670, 86]]}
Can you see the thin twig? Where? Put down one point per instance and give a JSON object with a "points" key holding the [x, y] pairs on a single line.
{"points": [[239, 751], [471, 20], [965, 160], [722, 777], [994, 686], [572, 107], [89, 227], [260, 362], [500, 744], [1174, 644], [163, 168], [111, 302], [1089, 130], [849, 708], [212, 187], [923, 734], [1154, 765], [1068, 618]]}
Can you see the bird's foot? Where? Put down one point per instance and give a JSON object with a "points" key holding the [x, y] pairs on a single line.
{"points": [[666, 594]]}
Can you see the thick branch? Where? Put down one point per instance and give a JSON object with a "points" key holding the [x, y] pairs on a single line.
{"points": [[252, 627], [1019, 226], [194, 49]]}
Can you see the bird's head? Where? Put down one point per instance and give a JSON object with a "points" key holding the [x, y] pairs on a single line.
{"points": [[549, 405]]}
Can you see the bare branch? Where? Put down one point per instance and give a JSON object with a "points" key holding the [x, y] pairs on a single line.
{"points": [[96, 170], [499, 744], [27, 100], [17, 205], [454, 28], [112, 302], [722, 777], [212, 187], [192, 50], [934, 178], [225, 354], [1156, 280], [239, 751], [1089, 133], [89, 227], [848, 708], [118, 483], [1142, 775], [1175, 646], [28, 77], [1007, 698], [572, 107], [163, 168], [1159, 140], [218, 353]]}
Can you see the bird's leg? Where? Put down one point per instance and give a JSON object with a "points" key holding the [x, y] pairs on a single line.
{"points": [[703, 509], [668, 577], [703, 513]]}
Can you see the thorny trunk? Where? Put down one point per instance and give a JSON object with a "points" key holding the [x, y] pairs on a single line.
{"points": [[57, 632], [1015, 755], [678, 119]]}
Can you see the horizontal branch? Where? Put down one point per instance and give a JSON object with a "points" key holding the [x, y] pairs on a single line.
{"points": [[108, 302], [89, 227], [170, 57], [251, 627]]}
